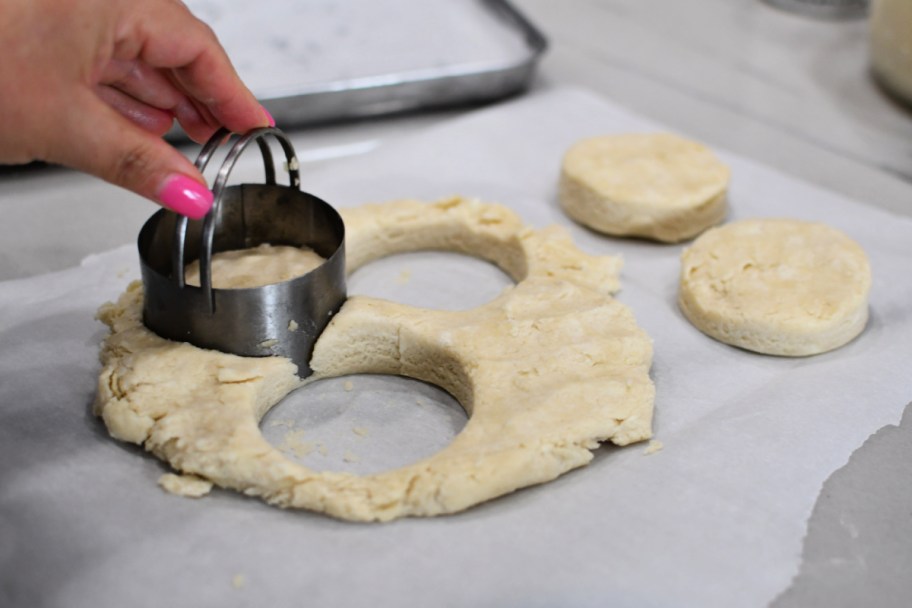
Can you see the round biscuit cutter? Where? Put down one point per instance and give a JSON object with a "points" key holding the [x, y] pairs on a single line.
{"points": [[282, 319]]}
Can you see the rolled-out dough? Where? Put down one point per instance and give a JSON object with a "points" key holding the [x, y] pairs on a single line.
{"points": [[546, 371], [776, 286], [652, 185]]}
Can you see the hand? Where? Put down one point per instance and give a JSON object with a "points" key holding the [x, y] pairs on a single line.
{"points": [[94, 84]]}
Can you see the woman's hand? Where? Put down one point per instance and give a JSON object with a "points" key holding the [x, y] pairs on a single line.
{"points": [[94, 84]]}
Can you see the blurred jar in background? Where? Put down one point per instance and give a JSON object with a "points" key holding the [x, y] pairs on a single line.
{"points": [[891, 45]]}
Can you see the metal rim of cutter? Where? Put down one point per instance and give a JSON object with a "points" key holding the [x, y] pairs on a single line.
{"points": [[282, 319]]}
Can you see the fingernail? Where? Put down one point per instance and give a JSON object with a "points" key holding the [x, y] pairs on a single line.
{"points": [[269, 116], [185, 196]]}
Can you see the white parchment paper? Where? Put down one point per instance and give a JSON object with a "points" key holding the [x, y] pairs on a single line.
{"points": [[715, 518]]}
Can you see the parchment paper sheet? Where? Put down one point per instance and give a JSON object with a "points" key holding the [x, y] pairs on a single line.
{"points": [[716, 518]]}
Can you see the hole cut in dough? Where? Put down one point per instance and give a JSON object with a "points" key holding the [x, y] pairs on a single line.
{"points": [[776, 286], [440, 280], [546, 371], [652, 185], [386, 422]]}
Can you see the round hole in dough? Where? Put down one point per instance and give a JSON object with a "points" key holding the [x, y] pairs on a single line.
{"points": [[546, 371], [657, 186], [363, 424], [431, 279], [776, 286]]}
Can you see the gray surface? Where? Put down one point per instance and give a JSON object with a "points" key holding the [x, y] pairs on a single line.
{"points": [[858, 549]]}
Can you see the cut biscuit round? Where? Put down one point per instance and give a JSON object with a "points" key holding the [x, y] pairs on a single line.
{"points": [[657, 186], [776, 286], [546, 371]]}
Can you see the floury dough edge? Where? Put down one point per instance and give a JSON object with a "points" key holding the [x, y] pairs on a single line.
{"points": [[546, 371]]}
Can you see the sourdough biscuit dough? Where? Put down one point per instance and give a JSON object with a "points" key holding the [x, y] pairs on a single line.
{"points": [[546, 371], [776, 286], [657, 186]]}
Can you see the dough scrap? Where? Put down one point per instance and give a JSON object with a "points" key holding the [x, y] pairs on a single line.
{"points": [[658, 186], [653, 446], [190, 486], [776, 286], [546, 371]]}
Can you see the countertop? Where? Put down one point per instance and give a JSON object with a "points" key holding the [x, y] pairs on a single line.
{"points": [[788, 91]]}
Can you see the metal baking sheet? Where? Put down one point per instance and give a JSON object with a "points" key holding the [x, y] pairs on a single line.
{"points": [[324, 60]]}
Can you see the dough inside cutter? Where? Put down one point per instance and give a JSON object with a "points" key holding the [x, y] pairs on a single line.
{"points": [[256, 267]]}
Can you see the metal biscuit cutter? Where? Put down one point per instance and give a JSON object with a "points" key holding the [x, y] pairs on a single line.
{"points": [[280, 319]]}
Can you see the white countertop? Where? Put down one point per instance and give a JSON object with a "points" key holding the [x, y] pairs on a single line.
{"points": [[788, 91]]}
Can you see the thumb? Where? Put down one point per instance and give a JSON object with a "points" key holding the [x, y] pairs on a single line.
{"points": [[98, 140]]}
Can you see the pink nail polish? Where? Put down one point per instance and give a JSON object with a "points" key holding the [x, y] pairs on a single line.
{"points": [[185, 196], [269, 116]]}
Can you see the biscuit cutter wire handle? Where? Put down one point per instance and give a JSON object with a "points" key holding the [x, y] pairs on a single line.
{"points": [[279, 319], [202, 161]]}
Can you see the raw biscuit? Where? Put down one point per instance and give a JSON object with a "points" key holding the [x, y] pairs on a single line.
{"points": [[657, 186], [776, 286]]}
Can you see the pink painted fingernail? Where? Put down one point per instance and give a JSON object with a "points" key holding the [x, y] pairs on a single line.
{"points": [[185, 196], [269, 116]]}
